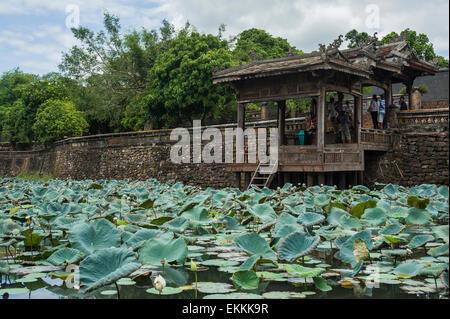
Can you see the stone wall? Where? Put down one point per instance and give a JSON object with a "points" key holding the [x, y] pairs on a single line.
{"points": [[418, 157]]}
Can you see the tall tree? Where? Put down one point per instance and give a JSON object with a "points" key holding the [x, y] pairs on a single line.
{"points": [[258, 44], [181, 88]]}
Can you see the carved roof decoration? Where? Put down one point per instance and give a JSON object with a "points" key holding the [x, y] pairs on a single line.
{"points": [[361, 61]]}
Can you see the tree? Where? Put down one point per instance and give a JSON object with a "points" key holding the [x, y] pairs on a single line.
{"points": [[113, 69], [57, 119], [182, 88], [256, 43], [19, 118], [356, 38]]}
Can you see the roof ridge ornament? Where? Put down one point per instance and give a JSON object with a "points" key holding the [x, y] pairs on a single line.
{"points": [[333, 46]]}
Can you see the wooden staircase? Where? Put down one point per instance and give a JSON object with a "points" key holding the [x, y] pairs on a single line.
{"points": [[260, 178]]}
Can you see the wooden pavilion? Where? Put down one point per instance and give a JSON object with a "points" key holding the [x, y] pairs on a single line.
{"points": [[313, 75]]}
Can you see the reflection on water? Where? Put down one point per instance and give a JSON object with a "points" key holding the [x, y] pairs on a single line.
{"points": [[54, 288]]}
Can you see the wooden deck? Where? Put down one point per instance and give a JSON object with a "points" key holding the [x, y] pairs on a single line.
{"points": [[332, 158]]}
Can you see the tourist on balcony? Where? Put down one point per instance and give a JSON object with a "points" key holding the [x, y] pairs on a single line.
{"points": [[381, 111], [344, 120], [402, 103], [373, 109]]}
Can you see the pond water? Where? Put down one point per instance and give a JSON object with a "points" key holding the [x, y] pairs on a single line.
{"points": [[118, 237]]}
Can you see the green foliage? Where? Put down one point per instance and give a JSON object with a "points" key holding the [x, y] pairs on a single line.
{"points": [[356, 37], [57, 119], [182, 86], [258, 44]]}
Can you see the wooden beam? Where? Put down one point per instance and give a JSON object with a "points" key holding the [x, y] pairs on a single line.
{"points": [[321, 119], [241, 116], [281, 122]]}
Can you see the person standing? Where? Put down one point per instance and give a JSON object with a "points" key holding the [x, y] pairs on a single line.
{"points": [[344, 120], [373, 109], [381, 112], [403, 106]]}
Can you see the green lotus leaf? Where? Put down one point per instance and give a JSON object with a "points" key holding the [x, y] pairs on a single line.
{"points": [[271, 276], [408, 268], [310, 219], [141, 236], [441, 232], [197, 216], [414, 201], [250, 262], [392, 229], [443, 191], [359, 209], [264, 212], [231, 223], [439, 251], [177, 225], [283, 295], [322, 200], [106, 266], [434, 270], [283, 220], [391, 190], [419, 240], [393, 239], [398, 212], [321, 284], [90, 237], [350, 222], [4, 267], [374, 216], [418, 217], [65, 256], [346, 252], [214, 287], [234, 296], [254, 244], [296, 245], [157, 249], [247, 280], [165, 292], [148, 203], [304, 272], [14, 291], [334, 217]]}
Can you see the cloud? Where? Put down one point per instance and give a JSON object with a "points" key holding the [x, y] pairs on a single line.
{"points": [[34, 30]]}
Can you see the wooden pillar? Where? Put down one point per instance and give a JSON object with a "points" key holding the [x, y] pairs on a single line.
{"points": [[248, 177], [409, 92], [241, 116], [281, 122], [321, 119], [238, 180], [358, 118], [360, 177], [342, 182], [264, 111], [321, 179], [309, 179], [329, 179], [388, 95]]}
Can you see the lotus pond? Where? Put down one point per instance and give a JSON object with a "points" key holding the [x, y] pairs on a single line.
{"points": [[113, 239]]}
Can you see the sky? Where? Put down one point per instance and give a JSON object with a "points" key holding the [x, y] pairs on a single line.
{"points": [[35, 33]]}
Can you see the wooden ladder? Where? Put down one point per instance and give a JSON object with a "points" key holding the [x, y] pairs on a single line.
{"points": [[260, 179]]}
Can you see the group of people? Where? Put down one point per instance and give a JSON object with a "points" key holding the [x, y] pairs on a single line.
{"points": [[377, 109]]}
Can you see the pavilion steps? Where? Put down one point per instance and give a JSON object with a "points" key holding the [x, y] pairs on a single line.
{"points": [[260, 178]]}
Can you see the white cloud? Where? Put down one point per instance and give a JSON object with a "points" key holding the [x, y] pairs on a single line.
{"points": [[304, 23]]}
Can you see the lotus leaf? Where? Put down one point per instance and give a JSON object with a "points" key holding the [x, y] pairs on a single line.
{"points": [[65, 256], [304, 272], [247, 280], [439, 251], [254, 244], [264, 212], [90, 237], [309, 219], [418, 216], [374, 216], [296, 245], [419, 240], [157, 249], [106, 266], [409, 268]]}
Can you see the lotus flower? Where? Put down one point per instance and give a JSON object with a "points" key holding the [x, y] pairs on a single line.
{"points": [[159, 283]]}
